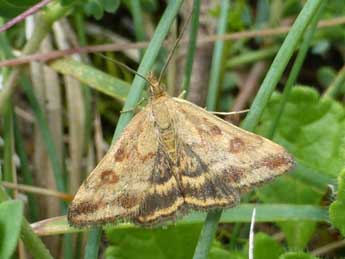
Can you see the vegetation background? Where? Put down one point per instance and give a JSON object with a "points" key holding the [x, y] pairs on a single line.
{"points": [[59, 110]]}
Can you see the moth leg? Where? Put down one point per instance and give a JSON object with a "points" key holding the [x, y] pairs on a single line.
{"points": [[231, 113], [136, 107]]}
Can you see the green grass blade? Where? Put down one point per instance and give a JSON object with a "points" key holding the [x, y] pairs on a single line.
{"points": [[87, 93], [93, 78], [48, 140], [239, 214], [5, 52], [210, 226], [266, 213], [8, 142], [216, 66], [320, 180], [31, 241], [135, 7], [138, 20], [94, 237], [337, 85], [51, 150], [296, 68], [43, 125], [147, 63], [193, 35], [252, 57], [57, 168], [25, 169], [44, 21], [10, 229], [279, 63], [207, 234]]}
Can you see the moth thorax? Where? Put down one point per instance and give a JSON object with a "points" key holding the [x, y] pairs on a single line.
{"points": [[156, 90], [165, 125]]}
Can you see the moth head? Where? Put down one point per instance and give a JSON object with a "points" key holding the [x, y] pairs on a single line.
{"points": [[156, 89]]}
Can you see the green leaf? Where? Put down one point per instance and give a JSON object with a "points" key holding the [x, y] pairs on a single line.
{"points": [[173, 242], [289, 190], [94, 8], [265, 247], [304, 130], [67, 2], [297, 255], [217, 252], [265, 213], [337, 208], [10, 9], [11, 215], [325, 75], [111, 6]]}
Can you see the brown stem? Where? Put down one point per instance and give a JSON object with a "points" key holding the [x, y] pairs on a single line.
{"points": [[23, 15], [140, 45], [248, 90], [38, 190]]}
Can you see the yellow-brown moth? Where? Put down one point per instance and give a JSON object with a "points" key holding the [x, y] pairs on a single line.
{"points": [[171, 158]]}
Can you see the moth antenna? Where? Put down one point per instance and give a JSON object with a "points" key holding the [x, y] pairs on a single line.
{"points": [[171, 53], [125, 66]]}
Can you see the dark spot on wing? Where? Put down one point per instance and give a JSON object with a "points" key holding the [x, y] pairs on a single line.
{"points": [[162, 168], [82, 208], [214, 188], [157, 201], [109, 176], [189, 163], [236, 145], [276, 161], [147, 156], [233, 175], [120, 154], [128, 200], [215, 130]]}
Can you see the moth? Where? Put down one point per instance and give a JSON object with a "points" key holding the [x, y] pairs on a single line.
{"points": [[174, 157]]}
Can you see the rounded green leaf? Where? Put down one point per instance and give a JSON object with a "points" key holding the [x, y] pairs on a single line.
{"points": [[111, 5], [171, 242], [315, 138], [94, 8]]}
